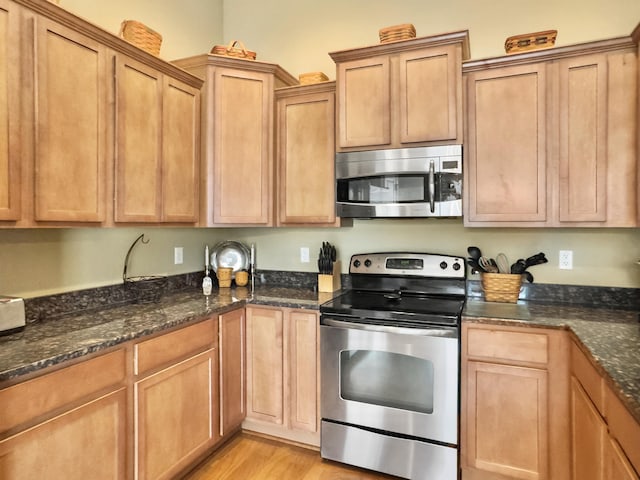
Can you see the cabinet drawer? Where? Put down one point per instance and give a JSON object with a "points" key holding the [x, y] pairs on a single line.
{"points": [[163, 350], [587, 375], [37, 397], [495, 343], [623, 427]]}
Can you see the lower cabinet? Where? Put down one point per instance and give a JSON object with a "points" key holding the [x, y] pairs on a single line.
{"points": [[600, 425], [283, 373], [514, 405], [175, 399], [232, 362], [68, 424]]}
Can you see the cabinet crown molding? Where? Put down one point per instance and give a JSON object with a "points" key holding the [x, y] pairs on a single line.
{"points": [[405, 46], [61, 16], [555, 53], [282, 77]]}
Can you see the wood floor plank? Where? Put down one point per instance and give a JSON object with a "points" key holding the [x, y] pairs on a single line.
{"points": [[249, 457]]}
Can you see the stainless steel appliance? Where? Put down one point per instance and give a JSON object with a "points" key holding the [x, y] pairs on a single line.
{"points": [[390, 365], [407, 182], [12, 316]]}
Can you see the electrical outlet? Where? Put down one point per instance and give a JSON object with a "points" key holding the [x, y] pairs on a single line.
{"points": [[304, 254], [565, 260], [178, 255]]}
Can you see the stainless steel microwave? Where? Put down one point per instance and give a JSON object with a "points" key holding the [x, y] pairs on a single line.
{"points": [[407, 182]]}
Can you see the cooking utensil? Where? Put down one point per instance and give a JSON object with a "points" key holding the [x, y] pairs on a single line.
{"points": [[475, 267], [519, 266], [536, 259], [488, 265], [207, 283], [503, 263], [475, 253], [528, 276]]}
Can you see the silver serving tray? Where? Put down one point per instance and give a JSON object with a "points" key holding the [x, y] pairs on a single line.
{"points": [[231, 254]]}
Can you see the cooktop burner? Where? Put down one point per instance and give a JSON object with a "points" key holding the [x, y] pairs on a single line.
{"points": [[395, 309]]}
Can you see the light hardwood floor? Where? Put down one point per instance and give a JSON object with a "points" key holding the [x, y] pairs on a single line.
{"points": [[249, 457]]}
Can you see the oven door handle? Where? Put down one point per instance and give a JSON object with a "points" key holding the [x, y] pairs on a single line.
{"points": [[446, 332]]}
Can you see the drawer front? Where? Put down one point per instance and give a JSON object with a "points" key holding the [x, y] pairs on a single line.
{"points": [[35, 398], [171, 347], [496, 344], [588, 376]]}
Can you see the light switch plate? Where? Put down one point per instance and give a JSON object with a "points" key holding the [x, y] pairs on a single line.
{"points": [[178, 255]]}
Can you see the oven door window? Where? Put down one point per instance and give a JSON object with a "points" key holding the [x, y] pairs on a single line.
{"points": [[387, 379], [383, 189]]}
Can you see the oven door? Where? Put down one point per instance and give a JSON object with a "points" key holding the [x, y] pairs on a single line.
{"points": [[399, 380]]}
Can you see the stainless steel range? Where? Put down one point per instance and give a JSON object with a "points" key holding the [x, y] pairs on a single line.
{"points": [[390, 350]]}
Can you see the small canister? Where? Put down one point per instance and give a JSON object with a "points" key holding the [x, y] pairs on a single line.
{"points": [[224, 276], [242, 278]]}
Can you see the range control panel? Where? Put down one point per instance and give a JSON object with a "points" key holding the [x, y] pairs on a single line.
{"points": [[408, 264]]}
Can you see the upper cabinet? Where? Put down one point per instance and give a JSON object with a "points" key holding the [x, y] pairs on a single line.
{"points": [[238, 132], [10, 180], [305, 155], [89, 118], [551, 138], [401, 94], [70, 125], [157, 142]]}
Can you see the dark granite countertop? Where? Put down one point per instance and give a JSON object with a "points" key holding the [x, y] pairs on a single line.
{"points": [[611, 336], [51, 342]]}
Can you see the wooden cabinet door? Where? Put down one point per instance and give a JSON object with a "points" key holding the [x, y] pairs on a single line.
{"points": [[583, 139], [86, 442], [506, 144], [138, 194], [304, 370], [175, 416], [232, 370], [507, 420], [588, 436], [430, 95], [616, 465], [364, 102], [306, 158], [10, 178], [71, 125], [265, 364], [180, 152], [243, 142]]}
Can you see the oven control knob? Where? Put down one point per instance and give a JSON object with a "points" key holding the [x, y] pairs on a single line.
{"points": [[356, 263], [443, 265], [456, 266], [367, 263]]}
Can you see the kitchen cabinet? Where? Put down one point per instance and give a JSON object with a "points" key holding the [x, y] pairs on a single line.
{"points": [[514, 386], [305, 154], [551, 138], [71, 125], [604, 436], [636, 38], [70, 423], [175, 395], [10, 168], [157, 142], [401, 94], [283, 374], [232, 362], [238, 138], [76, 97]]}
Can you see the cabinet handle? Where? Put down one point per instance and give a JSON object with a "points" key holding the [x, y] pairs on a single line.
{"points": [[432, 187]]}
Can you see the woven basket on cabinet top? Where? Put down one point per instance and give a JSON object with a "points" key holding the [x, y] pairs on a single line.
{"points": [[232, 50], [397, 32], [141, 36]]}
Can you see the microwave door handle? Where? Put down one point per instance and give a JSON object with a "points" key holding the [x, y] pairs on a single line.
{"points": [[432, 187]]}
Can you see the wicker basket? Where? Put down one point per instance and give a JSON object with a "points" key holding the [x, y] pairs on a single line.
{"points": [[146, 289], [310, 78], [141, 36], [501, 287], [397, 32], [232, 50], [530, 41]]}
